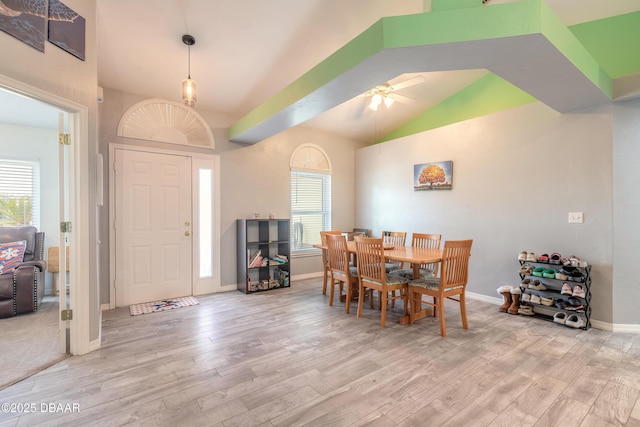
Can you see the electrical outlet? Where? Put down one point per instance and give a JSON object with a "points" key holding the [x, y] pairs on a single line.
{"points": [[576, 218]]}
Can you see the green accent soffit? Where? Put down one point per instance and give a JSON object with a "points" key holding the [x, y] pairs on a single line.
{"points": [[524, 18], [488, 94], [357, 50], [614, 42]]}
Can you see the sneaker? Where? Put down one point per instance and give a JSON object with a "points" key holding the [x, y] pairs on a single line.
{"points": [[522, 256], [537, 285], [525, 297], [548, 301], [560, 318], [561, 304], [575, 304], [525, 310], [561, 276], [535, 299], [532, 257], [566, 289], [575, 321], [578, 291]]}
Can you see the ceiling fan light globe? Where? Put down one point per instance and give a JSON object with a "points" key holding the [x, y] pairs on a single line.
{"points": [[388, 101], [376, 100]]}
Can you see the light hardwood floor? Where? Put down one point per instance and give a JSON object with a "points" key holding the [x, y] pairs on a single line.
{"points": [[285, 358]]}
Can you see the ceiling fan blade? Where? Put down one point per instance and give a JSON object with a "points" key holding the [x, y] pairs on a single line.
{"points": [[409, 82], [403, 99]]}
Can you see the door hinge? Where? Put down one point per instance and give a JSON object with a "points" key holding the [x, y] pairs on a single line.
{"points": [[64, 138], [66, 315], [65, 227]]}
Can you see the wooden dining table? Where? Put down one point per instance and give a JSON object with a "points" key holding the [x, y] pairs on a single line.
{"points": [[409, 254]]}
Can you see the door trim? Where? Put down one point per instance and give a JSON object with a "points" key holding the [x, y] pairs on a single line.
{"points": [[200, 287]]}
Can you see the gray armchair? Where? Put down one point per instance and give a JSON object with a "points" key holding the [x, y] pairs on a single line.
{"points": [[22, 290]]}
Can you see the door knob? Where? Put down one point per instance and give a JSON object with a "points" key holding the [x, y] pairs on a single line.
{"points": [[187, 233], [187, 223]]}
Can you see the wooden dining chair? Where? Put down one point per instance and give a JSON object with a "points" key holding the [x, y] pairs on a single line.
{"points": [[341, 273], [423, 240], [395, 238], [325, 258], [373, 276], [454, 272]]}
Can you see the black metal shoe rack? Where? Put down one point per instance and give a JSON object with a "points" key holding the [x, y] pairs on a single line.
{"points": [[554, 286]]}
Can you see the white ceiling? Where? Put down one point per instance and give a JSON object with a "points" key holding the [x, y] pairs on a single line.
{"points": [[246, 51]]}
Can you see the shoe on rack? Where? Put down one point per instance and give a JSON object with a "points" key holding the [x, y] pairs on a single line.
{"points": [[566, 289], [575, 304], [561, 276], [549, 273], [578, 291], [525, 310], [560, 318], [525, 283], [575, 321], [522, 256], [526, 269], [532, 257], [543, 258], [561, 304], [555, 258], [525, 297], [548, 301], [537, 285], [535, 299], [538, 271]]}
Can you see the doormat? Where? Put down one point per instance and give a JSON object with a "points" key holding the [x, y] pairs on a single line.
{"points": [[163, 305]]}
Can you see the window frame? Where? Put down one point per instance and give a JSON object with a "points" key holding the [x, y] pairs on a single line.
{"points": [[33, 166], [310, 160]]}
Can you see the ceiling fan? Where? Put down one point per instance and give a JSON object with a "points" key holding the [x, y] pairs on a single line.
{"points": [[386, 93]]}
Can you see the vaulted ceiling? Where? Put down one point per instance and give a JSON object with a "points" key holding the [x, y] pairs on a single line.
{"points": [[271, 65]]}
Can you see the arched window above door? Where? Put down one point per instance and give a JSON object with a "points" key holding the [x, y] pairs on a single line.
{"points": [[165, 121]]}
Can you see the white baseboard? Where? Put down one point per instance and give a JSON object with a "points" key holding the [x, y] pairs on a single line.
{"points": [[484, 298], [104, 307], [228, 288]]}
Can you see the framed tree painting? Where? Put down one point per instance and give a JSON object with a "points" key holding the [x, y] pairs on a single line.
{"points": [[433, 176], [25, 20], [66, 29]]}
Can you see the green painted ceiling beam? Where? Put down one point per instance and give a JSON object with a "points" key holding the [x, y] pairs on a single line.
{"points": [[522, 42], [489, 94], [614, 43]]}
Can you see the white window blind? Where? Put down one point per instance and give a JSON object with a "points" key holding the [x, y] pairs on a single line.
{"points": [[19, 193], [310, 209]]}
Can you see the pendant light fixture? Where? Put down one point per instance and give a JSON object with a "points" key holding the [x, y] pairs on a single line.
{"points": [[188, 85]]}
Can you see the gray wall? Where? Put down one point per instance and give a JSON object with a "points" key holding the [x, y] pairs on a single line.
{"points": [[254, 178], [517, 174], [626, 212]]}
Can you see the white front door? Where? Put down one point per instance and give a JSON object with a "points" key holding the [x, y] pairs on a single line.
{"points": [[153, 257]]}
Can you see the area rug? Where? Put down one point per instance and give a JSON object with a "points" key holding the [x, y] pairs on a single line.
{"points": [[163, 305]]}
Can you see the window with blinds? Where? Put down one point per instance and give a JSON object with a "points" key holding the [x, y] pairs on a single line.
{"points": [[310, 209], [19, 193]]}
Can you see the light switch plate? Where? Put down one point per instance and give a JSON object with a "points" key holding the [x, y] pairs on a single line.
{"points": [[576, 218]]}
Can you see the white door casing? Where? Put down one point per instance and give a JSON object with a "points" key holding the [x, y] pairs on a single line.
{"points": [[153, 226]]}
